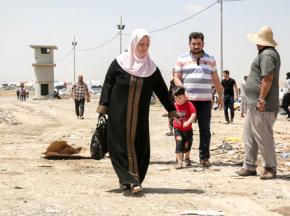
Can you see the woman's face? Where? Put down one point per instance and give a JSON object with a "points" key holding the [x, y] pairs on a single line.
{"points": [[142, 47]]}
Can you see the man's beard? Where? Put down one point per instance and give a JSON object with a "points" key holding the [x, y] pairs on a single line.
{"points": [[196, 52]]}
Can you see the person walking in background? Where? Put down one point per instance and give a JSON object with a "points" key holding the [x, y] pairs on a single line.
{"points": [[182, 127], [262, 96], [129, 83], [286, 97], [80, 93], [230, 92], [243, 97], [17, 94], [22, 92], [196, 71], [172, 87], [214, 104]]}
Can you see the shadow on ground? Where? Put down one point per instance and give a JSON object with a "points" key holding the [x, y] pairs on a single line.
{"points": [[158, 191]]}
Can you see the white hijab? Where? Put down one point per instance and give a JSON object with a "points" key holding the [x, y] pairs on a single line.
{"points": [[140, 67]]}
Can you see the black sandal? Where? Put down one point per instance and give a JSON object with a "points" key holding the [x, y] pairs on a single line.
{"points": [[135, 189]]}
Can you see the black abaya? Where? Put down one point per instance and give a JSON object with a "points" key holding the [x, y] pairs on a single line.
{"points": [[126, 100]]}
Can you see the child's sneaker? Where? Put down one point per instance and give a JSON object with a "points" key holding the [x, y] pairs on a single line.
{"points": [[187, 162], [178, 165]]}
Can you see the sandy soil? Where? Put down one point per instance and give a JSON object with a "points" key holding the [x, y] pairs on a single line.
{"points": [[31, 185]]}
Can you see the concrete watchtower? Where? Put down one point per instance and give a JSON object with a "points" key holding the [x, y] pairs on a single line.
{"points": [[44, 70]]}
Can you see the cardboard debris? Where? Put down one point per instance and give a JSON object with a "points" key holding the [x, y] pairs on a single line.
{"points": [[61, 150]]}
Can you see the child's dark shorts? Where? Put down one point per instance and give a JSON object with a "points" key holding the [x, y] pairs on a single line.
{"points": [[183, 140]]}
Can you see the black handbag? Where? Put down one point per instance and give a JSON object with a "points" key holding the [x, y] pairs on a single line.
{"points": [[98, 146]]}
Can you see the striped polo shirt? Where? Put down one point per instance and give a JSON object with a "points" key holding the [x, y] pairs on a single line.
{"points": [[196, 75]]}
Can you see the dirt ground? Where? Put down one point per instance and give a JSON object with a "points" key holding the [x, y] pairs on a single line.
{"points": [[32, 185]]}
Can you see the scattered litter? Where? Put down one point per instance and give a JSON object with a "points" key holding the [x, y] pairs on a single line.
{"points": [[285, 155], [226, 146], [18, 187], [201, 212], [233, 139]]}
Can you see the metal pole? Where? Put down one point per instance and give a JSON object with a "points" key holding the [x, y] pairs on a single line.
{"points": [[121, 36], [74, 43], [121, 27], [222, 58]]}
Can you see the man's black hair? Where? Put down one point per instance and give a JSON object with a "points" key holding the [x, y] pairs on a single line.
{"points": [[196, 35], [288, 75], [226, 72], [179, 90]]}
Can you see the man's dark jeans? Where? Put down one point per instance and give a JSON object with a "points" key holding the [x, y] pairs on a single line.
{"points": [[203, 115], [80, 107], [229, 103], [286, 103]]}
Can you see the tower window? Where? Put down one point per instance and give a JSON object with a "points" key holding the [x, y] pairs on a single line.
{"points": [[45, 50]]}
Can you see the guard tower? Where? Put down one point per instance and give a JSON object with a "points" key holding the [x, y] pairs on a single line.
{"points": [[44, 70]]}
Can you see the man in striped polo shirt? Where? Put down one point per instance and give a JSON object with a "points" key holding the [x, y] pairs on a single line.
{"points": [[196, 71]]}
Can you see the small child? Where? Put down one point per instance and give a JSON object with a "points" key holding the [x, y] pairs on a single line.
{"points": [[182, 126]]}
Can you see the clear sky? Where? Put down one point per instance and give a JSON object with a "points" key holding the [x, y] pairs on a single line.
{"points": [[93, 22]]}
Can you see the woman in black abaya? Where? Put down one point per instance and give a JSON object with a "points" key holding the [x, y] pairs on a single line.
{"points": [[130, 81]]}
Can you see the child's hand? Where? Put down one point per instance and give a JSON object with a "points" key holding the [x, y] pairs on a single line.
{"points": [[186, 124]]}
